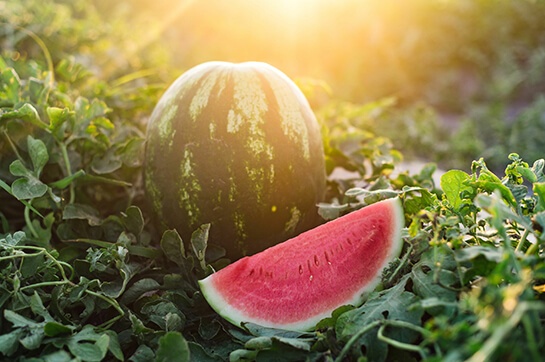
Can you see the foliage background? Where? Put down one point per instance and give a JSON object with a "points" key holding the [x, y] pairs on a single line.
{"points": [[442, 81]]}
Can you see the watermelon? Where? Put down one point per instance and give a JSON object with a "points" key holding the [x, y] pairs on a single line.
{"points": [[295, 284], [236, 146]]}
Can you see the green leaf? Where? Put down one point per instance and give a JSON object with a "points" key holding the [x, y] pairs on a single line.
{"points": [[489, 253], [82, 212], [134, 220], [86, 351], [27, 187], [199, 240], [258, 343], [331, 211], [539, 192], [142, 354], [173, 347], [27, 113], [106, 163], [54, 329], [7, 188], [173, 246], [391, 304], [114, 347], [9, 342], [453, 184], [140, 287], [38, 154], [133, 152], [18, 320], [10, 85]]}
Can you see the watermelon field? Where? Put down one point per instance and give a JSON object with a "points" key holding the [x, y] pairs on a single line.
{"points": [[391, 153]]}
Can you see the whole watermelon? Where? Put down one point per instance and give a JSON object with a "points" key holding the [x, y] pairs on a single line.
{"points": [[236, 146]]}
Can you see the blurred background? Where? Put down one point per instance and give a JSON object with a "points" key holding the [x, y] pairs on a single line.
{"points": [[446, 81]]}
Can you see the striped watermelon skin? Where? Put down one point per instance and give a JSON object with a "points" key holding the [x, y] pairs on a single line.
{"points": [[236, 146]]}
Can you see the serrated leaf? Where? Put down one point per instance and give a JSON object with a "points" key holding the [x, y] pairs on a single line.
{"points": [[453, 184], [18, 320], [538, 168], [173, 347], [394, 304], [33, 339], [430, 283], [27, 113]]}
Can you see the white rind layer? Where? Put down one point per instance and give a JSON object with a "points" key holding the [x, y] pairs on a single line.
{"points": [[237, 316]]}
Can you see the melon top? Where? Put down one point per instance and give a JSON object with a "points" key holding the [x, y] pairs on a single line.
{"points": [[236, 146]]}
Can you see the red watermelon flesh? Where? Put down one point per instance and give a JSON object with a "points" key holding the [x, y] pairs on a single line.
{"points": [[295, 284]]}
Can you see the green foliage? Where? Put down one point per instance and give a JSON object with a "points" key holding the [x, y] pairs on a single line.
{"points": [[84, 275]]}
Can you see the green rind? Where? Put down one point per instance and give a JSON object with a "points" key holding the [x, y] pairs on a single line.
{"points": [[236, 316], [236, 146]]}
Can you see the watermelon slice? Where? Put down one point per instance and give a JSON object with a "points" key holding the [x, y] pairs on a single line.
{"points": [[295, 284]]}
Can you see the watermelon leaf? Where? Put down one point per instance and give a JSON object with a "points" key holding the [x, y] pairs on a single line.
{"points": [[199, 240], [173, 347], [390, 304], [173, 246], [453, 184]]}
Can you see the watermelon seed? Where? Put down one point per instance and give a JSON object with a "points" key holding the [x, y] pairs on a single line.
{"points": [[252, 272], [316, 261], [300, 269], [349, 241], [311, 277], [327, 257], [308, 265]]}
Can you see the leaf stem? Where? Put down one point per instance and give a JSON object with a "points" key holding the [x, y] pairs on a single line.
{"points": [[354, 339], [402, 345], [66, 159], [113, 303], [522, 241], [29, 223]]}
